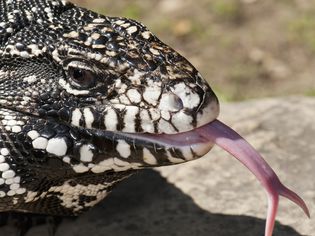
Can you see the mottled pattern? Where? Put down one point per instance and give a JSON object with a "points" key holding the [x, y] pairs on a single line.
{"points": [[73, 86]]}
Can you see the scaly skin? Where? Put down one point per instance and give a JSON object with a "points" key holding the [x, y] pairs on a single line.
{"points": [[86, 100], [71, 80]]}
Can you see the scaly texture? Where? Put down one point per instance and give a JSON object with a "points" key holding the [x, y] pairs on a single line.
{"points": [[72, 84]]}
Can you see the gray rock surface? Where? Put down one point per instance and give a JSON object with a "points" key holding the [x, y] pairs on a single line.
{"points": [[216, 195]]}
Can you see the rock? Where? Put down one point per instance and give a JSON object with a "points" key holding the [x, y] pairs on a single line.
{"points": [[216, 195], [283, 131]]}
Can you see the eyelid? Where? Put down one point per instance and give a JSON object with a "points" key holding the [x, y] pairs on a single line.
{"points": [[78, 65]]}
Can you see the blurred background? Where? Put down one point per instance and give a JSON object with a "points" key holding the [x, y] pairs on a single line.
{"points": [[244, 48]]}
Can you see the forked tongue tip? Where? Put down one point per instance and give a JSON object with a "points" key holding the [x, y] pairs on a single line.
{"points": [[232, 142], [274, 189]]}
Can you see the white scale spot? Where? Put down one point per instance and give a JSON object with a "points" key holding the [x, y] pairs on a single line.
{"points": [[182, 121], [86, 154], [76, 116], [146, 34], [47, 9], [2, 194], [107, 164], [126, 25], [100, 169], [30, 197], [119, 22], [166, 127], [24, 54], [8, 174], [57, 146], [154, 51], [40, 143], [9, 181], [66, 159], [4, 151], [17, 179], [148, 157], [11, 122], [9, 30], [72, 34], [155, 114], [89, 117], [16, 129], [123, 148], [33, 134], [30, 79], [4, 167], [132, 29], [2, 159], [80, 168], [14, 186], [122, 165], [11, 193], [111, 120], [165, 115], [98, 20], [8, 117], [130, 117], [20, 191], [152, 94], [188, 97], [146, 122], [134, 96]]}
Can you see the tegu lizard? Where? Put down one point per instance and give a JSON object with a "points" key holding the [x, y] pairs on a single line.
{"points": [[86, 100]]}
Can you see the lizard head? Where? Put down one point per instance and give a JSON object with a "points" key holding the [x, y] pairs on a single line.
{"points": [[104, 74], [131, 80]]}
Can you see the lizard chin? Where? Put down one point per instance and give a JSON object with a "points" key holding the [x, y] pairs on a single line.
{"points": [[202, 139]]}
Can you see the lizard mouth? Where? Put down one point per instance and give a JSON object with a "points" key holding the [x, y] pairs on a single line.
{"points": [[215, 132], [191, 145]]}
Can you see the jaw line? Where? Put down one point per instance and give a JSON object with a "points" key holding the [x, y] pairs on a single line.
{"points": [[215, 132]]}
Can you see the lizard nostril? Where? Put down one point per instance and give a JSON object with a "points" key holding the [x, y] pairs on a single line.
{"points": [[171, 102]]}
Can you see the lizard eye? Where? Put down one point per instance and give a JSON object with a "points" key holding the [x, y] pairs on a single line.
{"points": [[82, 78]]}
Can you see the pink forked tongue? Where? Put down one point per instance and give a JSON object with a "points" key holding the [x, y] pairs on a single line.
{"points": [[232, 142]]}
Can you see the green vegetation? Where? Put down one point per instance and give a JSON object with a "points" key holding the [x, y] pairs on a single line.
{"points": [[303, 30], [243, 73], [132, 10], [229, 10], [310, 93]]}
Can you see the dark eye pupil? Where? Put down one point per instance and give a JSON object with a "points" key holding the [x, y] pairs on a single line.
{"points": [[78, 74], [82, 78]]}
